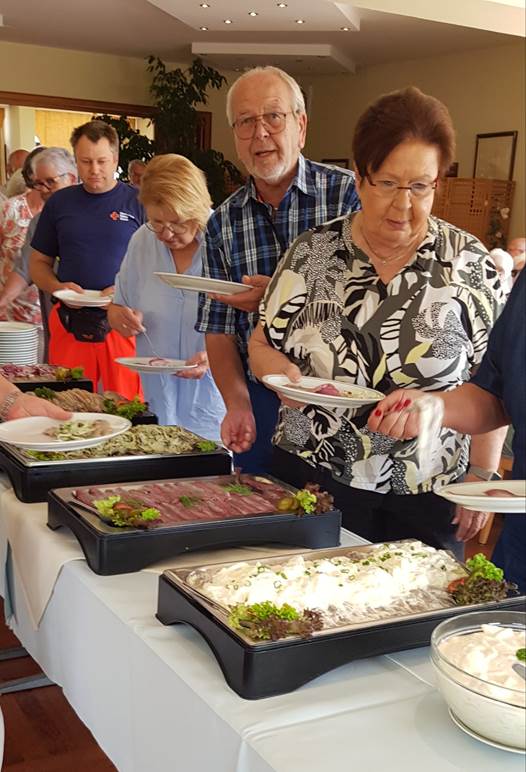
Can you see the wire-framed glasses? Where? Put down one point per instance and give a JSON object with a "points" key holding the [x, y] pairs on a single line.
{"points": [[47, 184], [177, 229], [273, 122], [389, 188]]}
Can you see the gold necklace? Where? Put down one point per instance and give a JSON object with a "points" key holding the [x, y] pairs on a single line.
{"points": [[383, 260]]}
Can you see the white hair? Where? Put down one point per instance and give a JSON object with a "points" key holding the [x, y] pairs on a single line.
{"points": [[135, 162], [296, 94], [61, 159]]}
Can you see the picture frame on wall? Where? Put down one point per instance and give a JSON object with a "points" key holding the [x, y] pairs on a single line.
{"points": [[343, 162], [495, 155]]}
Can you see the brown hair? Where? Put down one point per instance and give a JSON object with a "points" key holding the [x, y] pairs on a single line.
{"points": [[398, 116], [175, 182], [94, 131]]}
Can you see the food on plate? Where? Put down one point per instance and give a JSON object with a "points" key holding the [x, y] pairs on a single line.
{"points": [[82, 401], [137, 441], [326, 388], [485, 583], [78, 430], [521, 654], [364, 584], [159, 362], [183, 501], [500, 492], [41, 372], [488, 654], [266, 621]]}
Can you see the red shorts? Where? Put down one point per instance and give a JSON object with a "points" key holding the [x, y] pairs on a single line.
{"points": [[97, 359]]}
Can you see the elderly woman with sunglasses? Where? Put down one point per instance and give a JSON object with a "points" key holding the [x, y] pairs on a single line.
{"points": [[386, 297], [175, 196]]}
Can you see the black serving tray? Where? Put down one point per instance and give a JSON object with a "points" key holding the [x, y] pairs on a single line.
{"points": [[111, 550], [34, 383], [32, 480], [268, 668]]}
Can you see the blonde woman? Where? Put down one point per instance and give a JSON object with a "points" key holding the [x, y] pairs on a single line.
{"points": [[177, 203]]}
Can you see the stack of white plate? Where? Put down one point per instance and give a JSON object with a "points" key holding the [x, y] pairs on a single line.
{"points": [[18, 343]]}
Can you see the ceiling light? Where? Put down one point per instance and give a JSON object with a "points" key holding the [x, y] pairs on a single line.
{"points": [[345, 29], [227, 21], [281, 5], [205, 5], [252, 13], [300, 21], [204, 29]]}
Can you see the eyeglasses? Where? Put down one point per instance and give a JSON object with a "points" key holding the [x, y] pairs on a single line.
{"points": [[273, 123], [47, 184], [176, 229], [388, 188]]}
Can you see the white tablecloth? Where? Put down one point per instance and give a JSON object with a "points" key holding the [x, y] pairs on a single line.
{"points": [[156, 700]]}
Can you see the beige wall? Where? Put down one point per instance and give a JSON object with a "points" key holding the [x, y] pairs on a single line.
{"points": [[484, 91], [57, 72]]}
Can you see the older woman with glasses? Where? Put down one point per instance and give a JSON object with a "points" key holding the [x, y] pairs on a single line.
{"points": [[177, 203], [386, 297]]}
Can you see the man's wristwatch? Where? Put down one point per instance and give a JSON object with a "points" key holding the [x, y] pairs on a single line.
{"points": [[482, 474]]}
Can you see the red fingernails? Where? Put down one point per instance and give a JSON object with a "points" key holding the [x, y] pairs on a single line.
{"points": [[378, 412]]}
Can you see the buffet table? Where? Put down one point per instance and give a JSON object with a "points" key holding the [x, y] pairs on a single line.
{"points": [[155, 698]]}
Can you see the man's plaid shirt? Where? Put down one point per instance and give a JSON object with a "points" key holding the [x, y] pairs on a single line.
{"points": [[245, 236]]}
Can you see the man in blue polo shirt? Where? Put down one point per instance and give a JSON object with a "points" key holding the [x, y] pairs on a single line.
{"points": [[88, 228], [245, 237]]}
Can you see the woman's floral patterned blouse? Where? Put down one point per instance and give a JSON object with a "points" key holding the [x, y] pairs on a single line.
{"points": [[15, 216], [327, 309]]}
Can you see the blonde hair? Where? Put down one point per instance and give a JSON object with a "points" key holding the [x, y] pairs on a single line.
{"points": [[174, 182]]}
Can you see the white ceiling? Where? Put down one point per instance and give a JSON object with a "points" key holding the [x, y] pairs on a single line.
{"points": [[138, 28]]}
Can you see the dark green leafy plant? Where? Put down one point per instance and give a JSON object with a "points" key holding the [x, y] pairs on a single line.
{"points": [[176, 94]]}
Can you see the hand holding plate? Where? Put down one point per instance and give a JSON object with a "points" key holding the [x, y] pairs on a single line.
{"points": [[201, 360], [246, 301]]}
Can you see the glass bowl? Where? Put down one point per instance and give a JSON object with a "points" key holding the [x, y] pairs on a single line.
{"points": [[496, 712]]}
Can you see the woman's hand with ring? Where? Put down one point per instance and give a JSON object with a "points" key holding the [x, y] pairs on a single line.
{"points": [[127, 321]]}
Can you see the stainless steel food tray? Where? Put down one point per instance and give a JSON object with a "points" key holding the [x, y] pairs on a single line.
{"points": [[32, 479], [264, 668], [112, 550]]}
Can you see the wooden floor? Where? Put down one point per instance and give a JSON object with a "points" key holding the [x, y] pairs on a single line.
{"points": [[43, 733]]}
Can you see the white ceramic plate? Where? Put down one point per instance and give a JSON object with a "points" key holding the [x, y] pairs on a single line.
{"points": [[202, 284], [471, 495], [86, 299], [142, 365], [357, 395], [28, 433], [18, 327], [481, 738]]}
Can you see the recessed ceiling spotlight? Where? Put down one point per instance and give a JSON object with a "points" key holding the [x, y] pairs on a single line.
{"points": [[204, 29], [252, 13], [345, 29], [227, 21], [300, 21], [281, 5], [205, 5]]}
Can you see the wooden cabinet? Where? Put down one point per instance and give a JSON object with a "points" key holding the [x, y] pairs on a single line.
{"points": [[480, 206]]}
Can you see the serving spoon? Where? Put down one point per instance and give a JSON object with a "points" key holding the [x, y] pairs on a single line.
{"points": [[520, 669], [143, 330]]}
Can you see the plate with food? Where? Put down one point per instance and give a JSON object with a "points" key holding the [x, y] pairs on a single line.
{"points": [[506, 496], [152, 365], [82, 430], [202, 284], [326, 393], [88, 298]]}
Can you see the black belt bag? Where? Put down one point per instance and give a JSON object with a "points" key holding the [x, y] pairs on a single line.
{"points": [[88, 325]]}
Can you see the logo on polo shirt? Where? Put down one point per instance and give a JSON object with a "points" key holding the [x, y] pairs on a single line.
{"points": [[122, 216]]}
